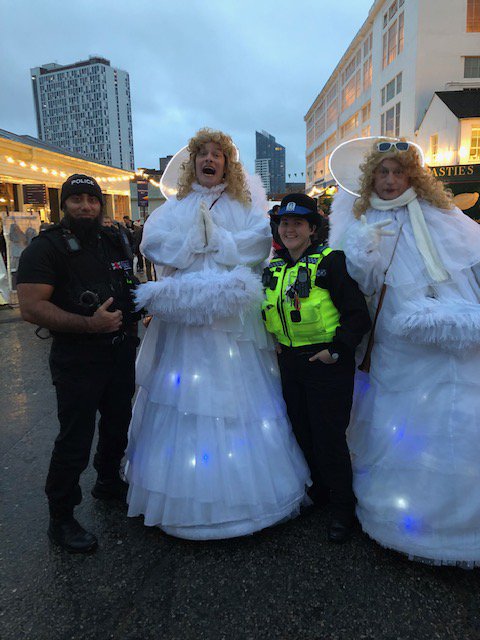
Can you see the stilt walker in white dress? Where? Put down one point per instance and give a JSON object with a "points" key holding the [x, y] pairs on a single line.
{"points": [[414, 435], [211, 453]]}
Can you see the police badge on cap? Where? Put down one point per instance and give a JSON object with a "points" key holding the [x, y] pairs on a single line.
{"points": [[301, 205], [79, 183]]}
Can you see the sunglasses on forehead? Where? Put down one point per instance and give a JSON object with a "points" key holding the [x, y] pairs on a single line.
{"points": [[399, 146]]}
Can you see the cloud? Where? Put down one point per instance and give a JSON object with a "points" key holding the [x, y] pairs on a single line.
{"points": [[236, 65]]}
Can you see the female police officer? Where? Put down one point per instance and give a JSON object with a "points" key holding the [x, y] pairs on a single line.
{"points": [[318, 316]]}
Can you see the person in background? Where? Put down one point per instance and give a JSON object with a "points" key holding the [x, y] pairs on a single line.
{"points": [[137, 239], [107, 221], [128, 222], [3, 244]]}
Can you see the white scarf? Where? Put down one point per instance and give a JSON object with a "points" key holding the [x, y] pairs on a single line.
{"points": [[423, 239]]}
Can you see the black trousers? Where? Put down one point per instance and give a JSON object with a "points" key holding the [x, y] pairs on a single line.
{"points": [[89, 377], [140, 264], [150, 269], [319, 399]]}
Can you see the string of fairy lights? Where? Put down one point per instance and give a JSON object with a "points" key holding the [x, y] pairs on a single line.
{"points": [[145, 176], [57, 173]]}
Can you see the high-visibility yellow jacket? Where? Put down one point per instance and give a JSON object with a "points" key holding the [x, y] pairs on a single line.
{"points": [[297, 321]]}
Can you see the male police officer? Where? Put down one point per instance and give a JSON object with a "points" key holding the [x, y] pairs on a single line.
{"points": [[76, 280]]}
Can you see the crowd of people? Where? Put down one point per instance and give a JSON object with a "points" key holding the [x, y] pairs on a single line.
{"points": [[250, 407]]}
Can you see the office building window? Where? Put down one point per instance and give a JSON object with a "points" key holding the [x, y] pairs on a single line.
{"points": [[330, 141], [401, 28], [392, 10], [319, 120], [399, 82], [475, 144], [390, 121], [393, 41], [310, 131], [472, 67], [332, 106], [434, 146], [473, 16], [391, 89], [351, 91], [367, 45], [349, 126], [351, 66], [367, 73], [366, 112]]}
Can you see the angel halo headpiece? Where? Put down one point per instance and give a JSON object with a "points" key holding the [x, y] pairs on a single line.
{"points": [[169, 179], [345, 160]]}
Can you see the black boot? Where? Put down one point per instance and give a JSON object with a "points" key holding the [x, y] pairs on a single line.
{"points": [[114, 489], [340, 528], [68, 534]]}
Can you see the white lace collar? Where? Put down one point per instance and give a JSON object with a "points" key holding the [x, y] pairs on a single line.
{"points": [[214, 191]]}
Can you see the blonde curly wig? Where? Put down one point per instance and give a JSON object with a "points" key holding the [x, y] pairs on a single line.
{"points": [[234, 175], [426, 186]]}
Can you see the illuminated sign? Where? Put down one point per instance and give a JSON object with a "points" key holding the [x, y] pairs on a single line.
{"points": [[457, 173]]}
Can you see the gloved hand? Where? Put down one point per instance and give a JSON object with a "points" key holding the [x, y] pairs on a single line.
{"points": [[373, 233], [206, 215], [202, 233]]}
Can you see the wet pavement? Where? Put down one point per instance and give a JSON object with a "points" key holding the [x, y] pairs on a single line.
{"points": [[286, 583]]}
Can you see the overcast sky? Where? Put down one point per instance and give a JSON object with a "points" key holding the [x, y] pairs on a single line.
{"points": [[235, 65]]}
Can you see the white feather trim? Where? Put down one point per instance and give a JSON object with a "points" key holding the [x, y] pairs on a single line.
{"points": [[257, 192], [450, 326], [199, 298], [341, 218]]}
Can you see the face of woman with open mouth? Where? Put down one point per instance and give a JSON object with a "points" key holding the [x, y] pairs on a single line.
{"points": [[210, 165]]}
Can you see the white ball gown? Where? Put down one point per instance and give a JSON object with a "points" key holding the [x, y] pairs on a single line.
{"points": [[414, 435], [211, 453]]}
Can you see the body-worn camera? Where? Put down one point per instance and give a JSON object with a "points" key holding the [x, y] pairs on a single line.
{"points": [[89, 299]]}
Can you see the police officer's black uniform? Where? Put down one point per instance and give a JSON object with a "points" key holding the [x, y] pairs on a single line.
{"points": [[91, 372], [311, 305]]}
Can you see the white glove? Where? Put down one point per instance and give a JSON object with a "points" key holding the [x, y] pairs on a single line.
{"points": [[206, 216], [203, 231], [373, 233]]}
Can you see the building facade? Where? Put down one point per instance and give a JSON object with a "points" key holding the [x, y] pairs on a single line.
{"points": [[404, 52], [270, 162], [450, 136], [85, 108]]}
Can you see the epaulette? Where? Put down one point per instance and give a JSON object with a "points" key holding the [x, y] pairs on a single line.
{"points": [[43, 233]]}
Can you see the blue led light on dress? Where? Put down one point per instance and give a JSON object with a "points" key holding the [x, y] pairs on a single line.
{"points": [[410, 524], [175, 378], [398, 432]]}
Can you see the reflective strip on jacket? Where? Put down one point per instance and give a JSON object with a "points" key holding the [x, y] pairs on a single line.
{"points": [[315, 320]]}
